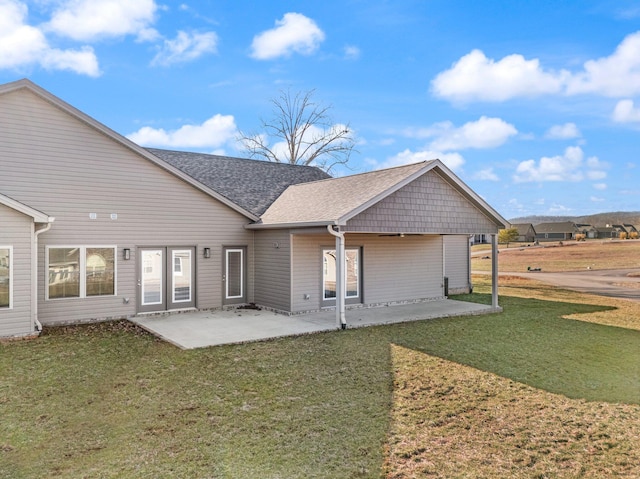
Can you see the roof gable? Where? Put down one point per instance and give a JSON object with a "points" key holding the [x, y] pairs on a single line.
{"points": [[337, 200], [331, 201], [25, 84]]}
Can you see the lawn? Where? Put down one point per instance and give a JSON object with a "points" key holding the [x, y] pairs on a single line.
{"points": [[549, 388]]}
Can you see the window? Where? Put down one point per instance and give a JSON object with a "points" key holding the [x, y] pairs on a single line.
{"points": [[5, 276], [352, 269], [81, 271]]}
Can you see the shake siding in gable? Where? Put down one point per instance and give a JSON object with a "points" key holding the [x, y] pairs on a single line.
{"points": [[273, 269], [56, 163], [427, 205], [16, 231], [456, 262]]}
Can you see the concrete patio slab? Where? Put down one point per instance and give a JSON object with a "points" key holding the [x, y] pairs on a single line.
{"points": [[211, 328]]}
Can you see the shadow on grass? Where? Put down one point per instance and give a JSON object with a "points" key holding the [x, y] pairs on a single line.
{"points": [[532, 343]]}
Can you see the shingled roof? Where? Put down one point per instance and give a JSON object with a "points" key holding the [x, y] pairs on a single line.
{"points": [[251, 184], [330, 200]]}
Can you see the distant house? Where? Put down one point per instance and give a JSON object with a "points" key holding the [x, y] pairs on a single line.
{"points": [[480, 239], [94, 227], [607, 232], [587, 230], [526, 232], [561, 231]]}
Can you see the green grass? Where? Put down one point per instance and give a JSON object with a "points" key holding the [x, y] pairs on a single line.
{"points": [[111, 401]]}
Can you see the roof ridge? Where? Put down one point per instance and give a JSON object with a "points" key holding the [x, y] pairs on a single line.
{"points": [[227, 157], [381, 170]]}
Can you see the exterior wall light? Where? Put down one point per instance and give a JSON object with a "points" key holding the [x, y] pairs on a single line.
{"points": [[126, 254], [207, 253]]}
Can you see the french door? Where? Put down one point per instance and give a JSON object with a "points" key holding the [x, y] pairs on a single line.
{"points": [[166, 278]]}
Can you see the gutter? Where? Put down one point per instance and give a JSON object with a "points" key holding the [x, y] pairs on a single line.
{"points": [[295, 224], [34, 272], [340, 277]]}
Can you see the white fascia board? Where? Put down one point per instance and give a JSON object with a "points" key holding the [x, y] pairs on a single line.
{"points": [[38, 216]]}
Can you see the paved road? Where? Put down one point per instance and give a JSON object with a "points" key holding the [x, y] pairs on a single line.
{"points": [[615, 283]]}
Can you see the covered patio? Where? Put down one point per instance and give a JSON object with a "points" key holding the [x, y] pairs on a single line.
{"points": [[217, 327]]}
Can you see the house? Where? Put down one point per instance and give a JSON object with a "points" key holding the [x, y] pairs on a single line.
{"points": [[480, 238], [526, 232], [560, 231], [587, 230], [94, 227], [607, 232]]}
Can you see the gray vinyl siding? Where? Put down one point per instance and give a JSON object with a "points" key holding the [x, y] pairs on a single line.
{"points": [[16, 231], [394, 269], [306, 265], [57, 164], [273, 269], [456, 264], [427, 205]]}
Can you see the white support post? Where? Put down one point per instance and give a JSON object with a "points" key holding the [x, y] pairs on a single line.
{"points": [[494, 271], [341, 291], [341, 278]]}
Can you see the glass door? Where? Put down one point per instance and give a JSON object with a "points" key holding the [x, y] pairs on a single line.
{"points": [[152, 280], [166, 278], [181, 278], [234, 277]]}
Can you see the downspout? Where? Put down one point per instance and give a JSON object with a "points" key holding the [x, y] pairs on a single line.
{"points": [[34, 272], [340, 277]]}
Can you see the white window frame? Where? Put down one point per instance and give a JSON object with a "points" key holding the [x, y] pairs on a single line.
{"points": [[346, 265], [226, 259], [180, 273], [83, 271], [6, 308]]}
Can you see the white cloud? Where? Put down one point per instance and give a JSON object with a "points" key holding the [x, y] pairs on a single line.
{"points": [[614, 76], [626, 112], [476, 77], [557, 209], [563, 132], [596, 199], [22, 45], [295, 33], [596, 175], [351, 52], [557, 168], [186, 47], [483, 133], [213, 133], [452, 160], [487, 175], [600, 186], [569, 166], [95, 19]]}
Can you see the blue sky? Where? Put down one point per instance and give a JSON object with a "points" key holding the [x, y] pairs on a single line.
{"points": [[535, 105]]}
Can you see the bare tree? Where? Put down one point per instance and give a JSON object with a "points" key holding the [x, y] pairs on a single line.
{"points": [[304, 134]]}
